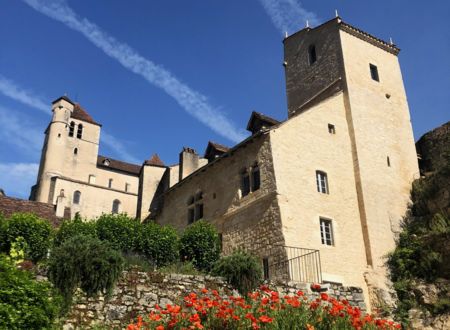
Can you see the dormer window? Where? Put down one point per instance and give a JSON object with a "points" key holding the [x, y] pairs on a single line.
{"points": [[71, 129], [106, 162], [312, 56]]}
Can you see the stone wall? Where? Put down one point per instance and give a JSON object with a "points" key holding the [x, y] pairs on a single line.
{"points": [[137, 293]]}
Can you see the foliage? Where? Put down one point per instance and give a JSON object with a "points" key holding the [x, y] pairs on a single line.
{"points": [[84, 262], [158, 243], [71, 228], [35, 231], [420, 255], [24, 302], [200, 244], [186, 268], [119, 230], [242, 271], [138, 262], [264, 309]]}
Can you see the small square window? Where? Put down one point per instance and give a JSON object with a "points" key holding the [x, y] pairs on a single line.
{"points": [[127, 187], [331, 129], [92, 178], [326, 231], [110, 181], [374, 72], [322, 182]]}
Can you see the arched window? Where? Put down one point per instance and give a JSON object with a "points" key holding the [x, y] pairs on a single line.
{"points": [[80, 131], [256, 179], [245, 183], [71, 128], [116, 206], [322, 182], [75, 151], [76, 197], [312, 56]]}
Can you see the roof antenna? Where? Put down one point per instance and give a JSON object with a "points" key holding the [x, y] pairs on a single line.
{"points": [[390, 41], [336, 13], [307, 23], [285, 34]]}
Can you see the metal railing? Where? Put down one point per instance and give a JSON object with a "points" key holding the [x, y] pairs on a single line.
{"points": [[288, 262]]}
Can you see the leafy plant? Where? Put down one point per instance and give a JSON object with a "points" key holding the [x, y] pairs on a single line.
{"points": [[119, 230], [242, 270], [35, 231], [84, 262], [159, 244], [186, 268], [200, 244], [71, 228], [24, 302]]}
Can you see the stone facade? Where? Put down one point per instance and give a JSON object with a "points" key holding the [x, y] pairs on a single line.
{"points": [[137, 293], [324, 190]]}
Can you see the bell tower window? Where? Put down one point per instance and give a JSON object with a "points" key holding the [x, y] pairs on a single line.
{"points": [[80, 131], [312, 56], [71, 129]]}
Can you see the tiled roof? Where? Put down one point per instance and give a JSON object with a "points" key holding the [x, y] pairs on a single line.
{"points": [[106, 162], [258, 120], [81, 114], [155, 161], [10, 205]]}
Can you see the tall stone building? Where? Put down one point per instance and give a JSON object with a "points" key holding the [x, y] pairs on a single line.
{"points": [[318, 196]]}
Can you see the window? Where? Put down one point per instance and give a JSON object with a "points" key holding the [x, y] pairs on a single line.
{"points": [[110, 181], [75, 151], [326, 231], [388, 161], [71, 128], [266, 268], [322, 182], [127, 187], [195, 207], [76, 197], [374, 72], [80, 131], [245, 184], [256, 180], [91, 178], [221, 242], [116, 206], [331, 129], [312, 57]]}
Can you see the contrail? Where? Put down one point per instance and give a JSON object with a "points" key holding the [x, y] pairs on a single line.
{"points": [[288, 15], [190, 100], [10, 89], [11, 124]]}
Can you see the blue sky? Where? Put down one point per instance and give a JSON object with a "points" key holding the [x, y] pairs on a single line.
{"points": [[164, 74]]}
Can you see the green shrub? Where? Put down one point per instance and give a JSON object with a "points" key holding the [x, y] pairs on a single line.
{"points": [[242, 270], [84, 262], [71, 228], [159, 244], [200, 244], [36, 232], [186, 268], [119, 230], [24, 302]]}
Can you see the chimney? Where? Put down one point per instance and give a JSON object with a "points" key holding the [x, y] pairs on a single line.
{"points": [[189, 162]]}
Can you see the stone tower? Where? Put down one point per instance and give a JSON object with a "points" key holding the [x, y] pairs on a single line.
{"points": [[336, 58], [70, 146]]}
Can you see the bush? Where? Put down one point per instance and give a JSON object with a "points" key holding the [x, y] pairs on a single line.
{"points": [[35, 231], [119, 230], [241, 270], [84, 262], [200, 244], [159, 244], [71, 228], [185, 268], [24, 302]]}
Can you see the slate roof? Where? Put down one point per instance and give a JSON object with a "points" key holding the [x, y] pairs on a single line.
{"points": [[118, 165], [154, 161], [81, 114], [215, 149], [10, 205]]}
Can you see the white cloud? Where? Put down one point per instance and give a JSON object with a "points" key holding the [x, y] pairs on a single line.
{"points": [[10, 89], [16, 179], [118, 147], [289, 15], [19, 131], [190, 100]]}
